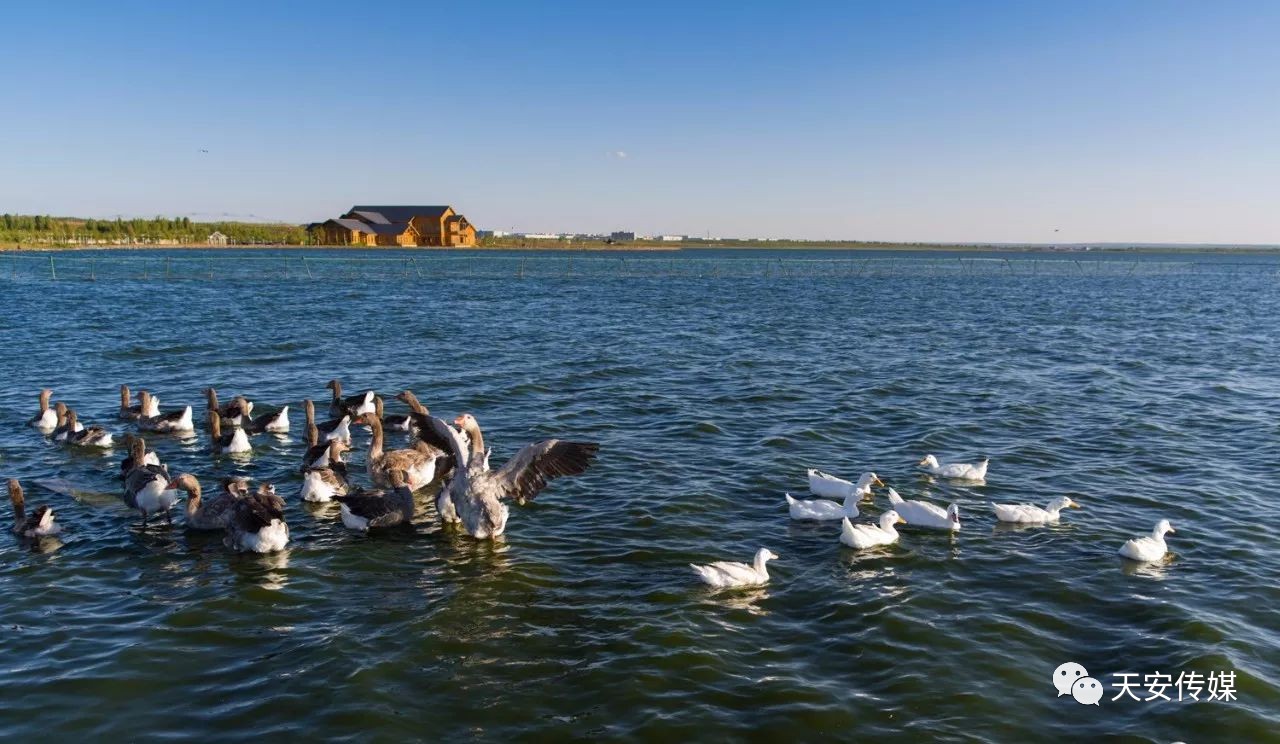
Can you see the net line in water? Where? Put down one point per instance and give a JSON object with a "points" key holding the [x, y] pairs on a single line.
{"points": [[55, 266]]}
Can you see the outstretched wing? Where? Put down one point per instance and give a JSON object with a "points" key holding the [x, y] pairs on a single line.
{"points": [[529, 471], [436, 432]]}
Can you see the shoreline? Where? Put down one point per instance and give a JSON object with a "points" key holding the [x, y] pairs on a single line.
{"points": [[692, 247]]}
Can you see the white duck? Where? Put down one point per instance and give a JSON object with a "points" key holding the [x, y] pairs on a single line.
{"points": [[956, 470], [46, 420], [822, 509], [830, 487], [1151, 548], [1028, 514], [924, 514], [863, 536], [728, 575]]}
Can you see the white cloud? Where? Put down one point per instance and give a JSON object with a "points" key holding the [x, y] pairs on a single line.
{"points": [[618, 155]]}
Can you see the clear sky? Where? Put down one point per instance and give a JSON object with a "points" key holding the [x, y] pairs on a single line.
{"points": [[956, 121]]}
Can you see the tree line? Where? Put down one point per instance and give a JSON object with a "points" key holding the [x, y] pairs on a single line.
{"points": [[21, 229]]}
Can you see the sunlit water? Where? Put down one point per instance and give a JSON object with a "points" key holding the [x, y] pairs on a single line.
{"points": [[1141, 394]]}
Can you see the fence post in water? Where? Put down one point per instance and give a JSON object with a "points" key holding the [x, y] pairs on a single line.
{"points": [[166, 267], [416, 270], [522, 267], [93, 274], [307, 266], [53, 270]]}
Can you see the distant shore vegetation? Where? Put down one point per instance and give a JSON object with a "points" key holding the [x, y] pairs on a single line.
{"points": [[38, 231]]}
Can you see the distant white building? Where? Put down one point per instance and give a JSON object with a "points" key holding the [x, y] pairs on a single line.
{"points": [[540, 236], [672, 238], [217, 238]]}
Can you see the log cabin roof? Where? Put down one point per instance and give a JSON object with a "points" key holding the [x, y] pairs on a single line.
{"points": [[401, 213]]}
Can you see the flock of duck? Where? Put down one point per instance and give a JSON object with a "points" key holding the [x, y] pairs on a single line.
{"points": [[726, 574], [452, 456]]}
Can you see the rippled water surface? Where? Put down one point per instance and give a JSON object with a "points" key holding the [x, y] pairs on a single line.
{"points": [[1143, 392]]}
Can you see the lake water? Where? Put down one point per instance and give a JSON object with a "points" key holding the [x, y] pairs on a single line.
{"points": [[1143, 387]]}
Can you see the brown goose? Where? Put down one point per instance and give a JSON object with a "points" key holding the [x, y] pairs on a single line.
{"points": [[130, 412], [371, 510], [257, 522], [390, 421], [213, 513], [418, 466], [236, 442], [352, 405], [80, 436], [146, 487], [46, 420], [126, 465], [153, 420], [276, 422], [339, 428], [322, 483], [63, 428], [233, 410], [478, 494], [38, 524]]}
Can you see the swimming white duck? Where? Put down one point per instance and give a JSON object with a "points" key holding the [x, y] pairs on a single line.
{"points": [[924, 514], [863, 536], [822, 509], [237, 442], [1028, 514], [46, 420], [729, 575], [146, 488], [93, 436], [830, 487], [956, 470], [39, 524], [257, 522], [1148, 549]]}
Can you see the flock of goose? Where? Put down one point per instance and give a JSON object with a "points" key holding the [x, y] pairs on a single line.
{"points": [[451, 456], [726, 574]]}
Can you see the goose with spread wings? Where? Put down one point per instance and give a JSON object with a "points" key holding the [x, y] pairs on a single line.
{"points": [[477, 494]]}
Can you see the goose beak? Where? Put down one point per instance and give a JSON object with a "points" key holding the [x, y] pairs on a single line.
{"points": [[878, 482], [900, 520], [925, 461], [1073, 505], [1171, 530]]}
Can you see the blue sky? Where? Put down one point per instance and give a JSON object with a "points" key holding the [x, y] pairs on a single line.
{"points": [[1115, 121]]}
